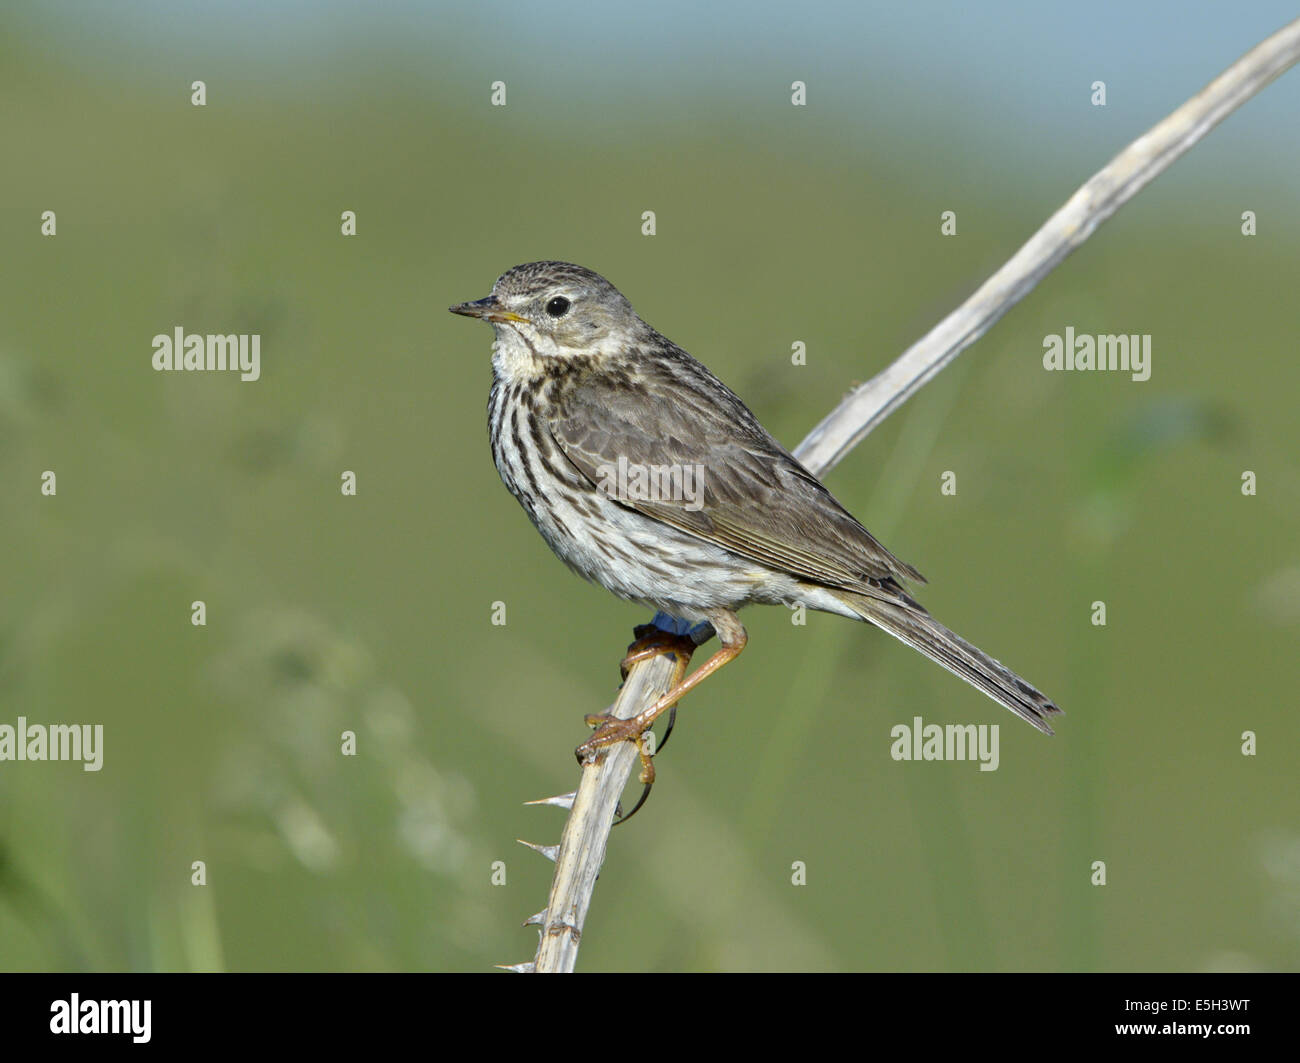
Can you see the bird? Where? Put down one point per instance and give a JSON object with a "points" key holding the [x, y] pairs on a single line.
{"points": [[648, 476]]}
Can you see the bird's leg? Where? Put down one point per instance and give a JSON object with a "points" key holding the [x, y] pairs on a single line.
{"points": [[651, 641], [654, 641], [731, 633], [681, 659], [646, 777]]}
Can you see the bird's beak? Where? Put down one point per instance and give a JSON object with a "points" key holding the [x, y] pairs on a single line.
{"points": [[488, 309]]}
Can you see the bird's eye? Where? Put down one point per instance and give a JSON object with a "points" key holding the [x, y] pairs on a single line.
{"points": [[558, 307]]}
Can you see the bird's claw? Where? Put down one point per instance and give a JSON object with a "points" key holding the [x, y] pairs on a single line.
{"points": [[651, 641], [654, 641], [612, 730]]}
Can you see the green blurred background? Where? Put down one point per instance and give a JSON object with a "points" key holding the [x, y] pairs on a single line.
{"points": [[373, 613]]}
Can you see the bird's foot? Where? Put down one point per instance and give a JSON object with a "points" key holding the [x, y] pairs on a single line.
{"points": [[651, 642], [654, 641], [611, 730]]}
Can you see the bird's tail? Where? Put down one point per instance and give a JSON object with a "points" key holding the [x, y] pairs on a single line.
{"points": [[911, 624]]}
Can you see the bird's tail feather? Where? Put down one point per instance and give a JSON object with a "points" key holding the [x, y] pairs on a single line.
{"points": [[913, 625]]}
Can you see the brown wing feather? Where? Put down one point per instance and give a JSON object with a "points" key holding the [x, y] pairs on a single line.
{"points": [[758, 501]]}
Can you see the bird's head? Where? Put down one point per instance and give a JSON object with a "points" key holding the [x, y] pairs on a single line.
{"points": [[556, 310]]}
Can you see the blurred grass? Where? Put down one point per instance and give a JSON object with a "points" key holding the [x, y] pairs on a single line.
{"points": [[372, 614]]}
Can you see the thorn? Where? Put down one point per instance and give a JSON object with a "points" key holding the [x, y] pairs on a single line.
{"points": [[559, 801], [536, 920], [518, 968], [548, 851]]}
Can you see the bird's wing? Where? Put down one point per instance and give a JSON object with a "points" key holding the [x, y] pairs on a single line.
{"points": [[753, 497]]}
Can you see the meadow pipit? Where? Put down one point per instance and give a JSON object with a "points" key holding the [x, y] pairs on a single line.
{"points": [[647, 475]]}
